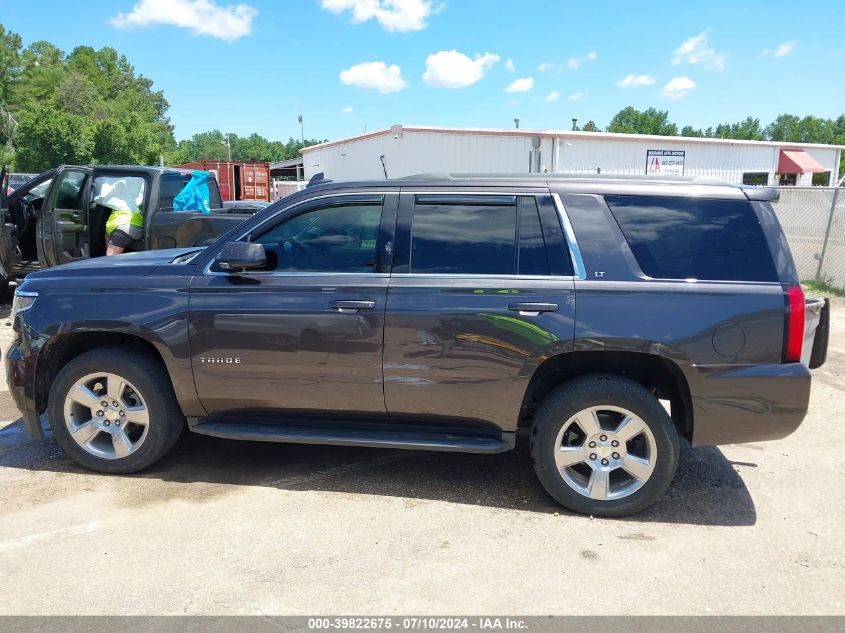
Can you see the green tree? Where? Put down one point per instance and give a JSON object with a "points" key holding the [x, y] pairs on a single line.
{"points": [[52, 137], [690, 131], [651, 121], [590, 126], [42, 70], [10, 60]]}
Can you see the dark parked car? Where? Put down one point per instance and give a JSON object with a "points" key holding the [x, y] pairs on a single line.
{"points": [[54, 218], [606, 318]]}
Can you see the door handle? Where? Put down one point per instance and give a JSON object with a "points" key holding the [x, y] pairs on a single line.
{"points": [[532, 309], [352, 306]]}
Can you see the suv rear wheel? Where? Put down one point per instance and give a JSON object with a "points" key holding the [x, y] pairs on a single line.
{"points": [[113, 410], [604, 445]]}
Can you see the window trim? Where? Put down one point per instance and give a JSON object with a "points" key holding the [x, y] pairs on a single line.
{"points": [[569, 235], [579, 271], [375, 197]]}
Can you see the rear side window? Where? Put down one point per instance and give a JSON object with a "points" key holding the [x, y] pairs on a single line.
{"points": [[532, 258], [463, 239], [488, 235], [170, 185], [693, 238]]}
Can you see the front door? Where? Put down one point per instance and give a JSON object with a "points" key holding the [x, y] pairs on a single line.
{"points": [[481, 292], [64, 219], [302, 339]]}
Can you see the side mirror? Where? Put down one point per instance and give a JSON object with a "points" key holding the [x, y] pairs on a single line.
{"points": [[242, 256]]}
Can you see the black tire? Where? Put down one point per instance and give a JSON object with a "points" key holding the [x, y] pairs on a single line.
{"points": [[596, 390], [149, 376]]}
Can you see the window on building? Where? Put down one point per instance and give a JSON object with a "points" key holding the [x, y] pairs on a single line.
{"points": [[788, 180], [755, 178], [821, 179], [689, 238]]}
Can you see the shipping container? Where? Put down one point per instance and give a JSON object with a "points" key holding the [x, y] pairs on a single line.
{"points": [[237, 181]]}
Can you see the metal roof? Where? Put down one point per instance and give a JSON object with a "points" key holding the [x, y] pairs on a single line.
{"points": [[551, 133], [287, 164]]}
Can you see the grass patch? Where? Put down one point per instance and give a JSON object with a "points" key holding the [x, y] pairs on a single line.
{"points": [[823, 288]]}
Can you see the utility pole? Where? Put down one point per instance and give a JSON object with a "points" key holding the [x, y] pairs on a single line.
{"points": [[228, 146], [301, 129]]}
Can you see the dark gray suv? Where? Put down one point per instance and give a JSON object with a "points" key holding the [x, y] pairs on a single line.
{"points": [[607, 318]]}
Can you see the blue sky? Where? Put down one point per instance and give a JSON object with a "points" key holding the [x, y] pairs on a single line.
{"points": [[254, 65]]}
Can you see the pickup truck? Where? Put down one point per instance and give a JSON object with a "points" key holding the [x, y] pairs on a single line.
{"points": [[53, 219], [599, 320]]}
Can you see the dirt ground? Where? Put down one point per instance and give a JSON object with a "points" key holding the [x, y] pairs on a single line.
{"points": [[221, 527]]}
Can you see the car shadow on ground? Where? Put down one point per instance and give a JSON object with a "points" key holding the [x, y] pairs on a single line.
{"points": [[706, 491]]}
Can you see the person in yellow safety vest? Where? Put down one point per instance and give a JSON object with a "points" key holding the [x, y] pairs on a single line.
{"points": [[123, 229], [125, 225]]}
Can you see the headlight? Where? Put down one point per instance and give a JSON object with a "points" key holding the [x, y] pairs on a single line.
{"points": [[23, 301]]}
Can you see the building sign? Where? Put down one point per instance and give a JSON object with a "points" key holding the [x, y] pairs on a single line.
{"points": [[665, 162]]}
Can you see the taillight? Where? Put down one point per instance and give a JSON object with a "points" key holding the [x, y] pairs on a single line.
{"points": [[794, 324]]}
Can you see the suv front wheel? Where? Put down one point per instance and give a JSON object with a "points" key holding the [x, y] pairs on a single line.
{"points": [[113, 410], [604, 445]]}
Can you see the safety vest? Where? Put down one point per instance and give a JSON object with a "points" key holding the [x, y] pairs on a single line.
{"points": [[123, 220]]}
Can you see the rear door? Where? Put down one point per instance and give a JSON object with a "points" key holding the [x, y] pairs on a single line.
{"points": [[63, 223], [481, 290]]}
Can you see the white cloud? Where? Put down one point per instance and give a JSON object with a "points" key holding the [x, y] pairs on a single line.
{"points": [[392, 15], [782, 50], [509, 65], [554, 95], [347, 109], [521, 85], [451, 69], [697, 50], [635, 81], [574, 63], [377, 75], [201, 17], [576, 96], [677, 87], [545, 66]]}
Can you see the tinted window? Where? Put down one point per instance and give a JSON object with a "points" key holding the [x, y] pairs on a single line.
{"points": [[532, 247], [70, 191], [463, 239], [336, 239], [171, 184], [689, 238]]}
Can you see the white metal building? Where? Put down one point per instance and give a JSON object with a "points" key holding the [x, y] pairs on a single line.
{"points": [[407, 150]]}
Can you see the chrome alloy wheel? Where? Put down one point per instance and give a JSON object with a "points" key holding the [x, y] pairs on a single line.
{"points": [[605, 452], [106, 415]]}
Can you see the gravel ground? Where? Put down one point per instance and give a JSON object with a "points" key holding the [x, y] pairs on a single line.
{"points": [[221, 527]]}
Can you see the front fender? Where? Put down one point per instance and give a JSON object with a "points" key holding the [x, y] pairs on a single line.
{"points": [[157, 316]]}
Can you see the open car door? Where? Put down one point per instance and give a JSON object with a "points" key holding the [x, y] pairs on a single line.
{"points": [[6, 244], [63, 222]]}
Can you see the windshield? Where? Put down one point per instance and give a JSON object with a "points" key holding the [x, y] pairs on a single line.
{"points": [[39, 191]]}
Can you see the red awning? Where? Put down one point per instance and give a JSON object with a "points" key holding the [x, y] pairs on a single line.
{"points": [[797, 161]]}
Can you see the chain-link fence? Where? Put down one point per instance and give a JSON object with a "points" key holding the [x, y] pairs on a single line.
{"points": [[16, 180], [813, 219]]}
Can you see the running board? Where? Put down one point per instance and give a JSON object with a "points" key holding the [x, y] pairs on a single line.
{"points": [[436, 438]]}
